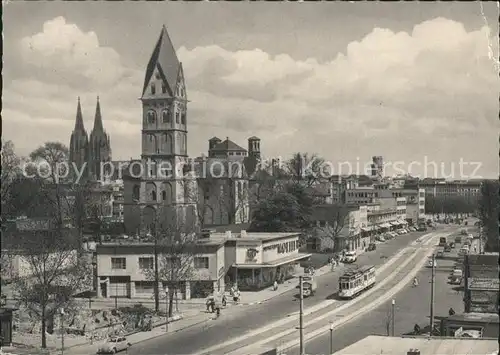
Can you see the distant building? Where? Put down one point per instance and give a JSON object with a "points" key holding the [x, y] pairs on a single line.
{"points": [[440, 188], [89, 153]]}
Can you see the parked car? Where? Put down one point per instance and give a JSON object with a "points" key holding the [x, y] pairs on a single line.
{"points": [[113, 345], [457, 272], [463, 251], [431, 263], [452, 245], [447, 249], [372, 246], [440, 254], [458, 239], [456, 280], [380, 238], [393, 234], [350, 257]]}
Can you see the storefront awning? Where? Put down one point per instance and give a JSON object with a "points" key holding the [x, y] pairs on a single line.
{"points": [[285, 260], [385, 225], [367, 229], [395, 224]]}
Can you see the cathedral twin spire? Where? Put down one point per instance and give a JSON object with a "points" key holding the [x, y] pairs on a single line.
{"points": [[92, 150]]}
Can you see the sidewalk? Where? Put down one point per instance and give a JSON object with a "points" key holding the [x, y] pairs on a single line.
{"points": [[193, 312]]}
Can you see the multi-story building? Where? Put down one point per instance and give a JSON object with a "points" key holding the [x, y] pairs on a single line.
{"points": [[209, 190], [415, 199], [339, 227], [469, 189]]}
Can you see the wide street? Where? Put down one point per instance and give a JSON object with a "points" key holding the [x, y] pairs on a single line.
{"points": [[412, 306], [241, 320]]}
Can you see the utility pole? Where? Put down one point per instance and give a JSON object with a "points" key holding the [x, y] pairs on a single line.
{"points": [[432, 291], [62, 330], [157, 279], [331, 338], [393, 315], [301, 317]]}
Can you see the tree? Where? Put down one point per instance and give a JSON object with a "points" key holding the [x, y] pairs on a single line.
{"points": [[305, 168], [177, 247], [280, 212], [489, 208], [333, 220], [55, 157], [11, 172], [54, 273]]}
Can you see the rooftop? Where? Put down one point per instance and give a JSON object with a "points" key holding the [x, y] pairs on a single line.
{"points": [[475, 317], [427, 346]]}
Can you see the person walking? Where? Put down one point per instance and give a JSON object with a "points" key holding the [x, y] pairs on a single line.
{"points": [[275, 285], [415, 282]]}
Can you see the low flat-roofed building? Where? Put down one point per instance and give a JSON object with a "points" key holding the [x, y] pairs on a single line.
{"points": [[484, 323], [374, 344], [255, 260]]}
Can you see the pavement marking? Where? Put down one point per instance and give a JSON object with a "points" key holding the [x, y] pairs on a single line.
{"points": [[428, 237], [328, 314], [307, 312], [376, 303]]}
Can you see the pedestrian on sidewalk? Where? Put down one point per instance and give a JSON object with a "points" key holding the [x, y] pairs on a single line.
{"points": [[275, 285]]}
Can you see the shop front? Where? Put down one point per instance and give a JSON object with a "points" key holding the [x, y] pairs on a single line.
{"points": [[261, 260]]}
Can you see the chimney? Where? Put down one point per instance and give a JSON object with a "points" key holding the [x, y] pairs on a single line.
{"points": [[413, 352], [228, 234], [243, 234]]}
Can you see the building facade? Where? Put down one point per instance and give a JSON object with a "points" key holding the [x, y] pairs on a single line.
{"points": [[126, 270], [252, 261]]}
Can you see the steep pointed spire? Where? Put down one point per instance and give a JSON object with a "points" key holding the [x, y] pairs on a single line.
{"points": [[79, 117], [98, 126], [165, 57]]}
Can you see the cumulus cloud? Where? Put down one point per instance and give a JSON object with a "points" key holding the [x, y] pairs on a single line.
{"points": [[71, 55], [435, 81]]}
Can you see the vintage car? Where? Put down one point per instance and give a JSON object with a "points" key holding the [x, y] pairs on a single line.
{"points": [[309, 286], [113, 345], [372, 246]]}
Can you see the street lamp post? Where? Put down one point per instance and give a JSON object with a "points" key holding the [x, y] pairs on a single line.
{"points": [[331, 338], [61, 312], [393, 316]]}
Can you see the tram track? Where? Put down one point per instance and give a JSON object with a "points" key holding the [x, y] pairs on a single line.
{"points": [[286, 328], [323, 324]]}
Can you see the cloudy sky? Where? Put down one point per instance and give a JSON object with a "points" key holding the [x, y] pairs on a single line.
{"points": [[408, 81]]}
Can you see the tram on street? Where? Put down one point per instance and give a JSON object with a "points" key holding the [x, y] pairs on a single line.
{"points": [[354, 282]]}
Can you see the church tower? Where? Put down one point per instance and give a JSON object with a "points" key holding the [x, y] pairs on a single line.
{"points": [[79, 142], [99, 145], [164, 130]]}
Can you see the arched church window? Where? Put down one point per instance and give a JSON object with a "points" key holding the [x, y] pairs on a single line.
{"points": [[151, 138], [163, 88], [153, 89], [165, 116], [135, 192], [153, 195], [177, 114], [151, 117], [183, 118], [164, 195]]}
